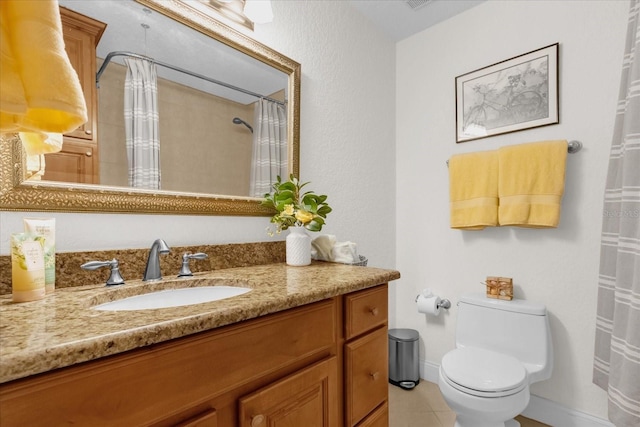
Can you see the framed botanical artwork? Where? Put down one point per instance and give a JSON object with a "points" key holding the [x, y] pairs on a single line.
{"points": [[512, 95]]}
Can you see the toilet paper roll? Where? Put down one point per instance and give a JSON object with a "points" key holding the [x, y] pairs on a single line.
{"points": [[428, 305]]}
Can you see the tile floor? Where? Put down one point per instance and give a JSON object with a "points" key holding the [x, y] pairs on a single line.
{"points": [[424, 407]]}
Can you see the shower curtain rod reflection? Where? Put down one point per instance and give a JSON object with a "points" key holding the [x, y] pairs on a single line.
{"points": [[110, 55]]}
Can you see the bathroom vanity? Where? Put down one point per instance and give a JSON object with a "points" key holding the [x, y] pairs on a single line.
{"points": [[307, 346]]}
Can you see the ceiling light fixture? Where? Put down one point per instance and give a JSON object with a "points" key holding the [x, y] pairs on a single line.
{"points": [[417, 4], [258, 11], [228, 11]]}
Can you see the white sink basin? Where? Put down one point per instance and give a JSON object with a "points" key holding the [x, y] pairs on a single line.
{"points": [[173, 298]]}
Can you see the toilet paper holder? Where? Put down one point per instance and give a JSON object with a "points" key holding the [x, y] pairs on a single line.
{"points": [[445, 303]]}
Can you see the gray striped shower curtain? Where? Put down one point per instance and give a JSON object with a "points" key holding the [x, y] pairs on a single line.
{"points": [[616, 365], [270, 151], [141, 124]]}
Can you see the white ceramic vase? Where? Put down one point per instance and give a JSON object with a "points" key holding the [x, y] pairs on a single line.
{"points": [[298, 247]]}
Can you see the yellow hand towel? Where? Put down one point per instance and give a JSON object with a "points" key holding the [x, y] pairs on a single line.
{"points": [[473, 190], [40, 90], [13, 103], [36, 143], [531, 183]]}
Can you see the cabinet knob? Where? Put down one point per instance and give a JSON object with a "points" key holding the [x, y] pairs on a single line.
{"points": [[257, 420], [374, 311], [374, 375], [89, 153], [88, 132]]}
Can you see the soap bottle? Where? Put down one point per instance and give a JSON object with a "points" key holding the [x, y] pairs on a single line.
{"points": [[27, 267], [46, 227]]}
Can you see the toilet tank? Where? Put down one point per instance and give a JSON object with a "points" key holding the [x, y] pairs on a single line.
{"points": [[519, 328]]}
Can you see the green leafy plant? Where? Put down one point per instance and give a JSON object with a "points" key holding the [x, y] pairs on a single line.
{"points": [[295, 207]]}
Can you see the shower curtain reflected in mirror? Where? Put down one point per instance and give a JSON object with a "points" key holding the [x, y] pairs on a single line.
{"points": [[269, 159], [141, 124]]}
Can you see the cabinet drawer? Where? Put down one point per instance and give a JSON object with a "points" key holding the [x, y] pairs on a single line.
{"points": [[365, 310], [366, 374], [208, 418], [379, 418]]}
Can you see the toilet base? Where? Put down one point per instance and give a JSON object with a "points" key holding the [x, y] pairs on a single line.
{"points": [[474, 411], [508, 423]]}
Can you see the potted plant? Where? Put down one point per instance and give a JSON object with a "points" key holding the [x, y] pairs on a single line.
{"points": [[298, 210]]}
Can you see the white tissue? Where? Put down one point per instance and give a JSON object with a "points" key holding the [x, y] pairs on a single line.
{"points": [[322, 246], [345, 252], [428, 304], [326, 248]]}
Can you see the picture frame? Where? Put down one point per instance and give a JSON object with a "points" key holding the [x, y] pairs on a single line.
{"points": [[509, 96]]}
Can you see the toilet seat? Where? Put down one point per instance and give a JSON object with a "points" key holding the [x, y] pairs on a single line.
{"points": [[483, 373]]}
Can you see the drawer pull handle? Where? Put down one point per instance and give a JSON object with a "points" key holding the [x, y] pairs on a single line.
{"points": [[374, 311], [374, 375], [88, 132], [88, 153], [257, 420]]}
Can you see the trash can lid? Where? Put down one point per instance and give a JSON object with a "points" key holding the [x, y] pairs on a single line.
{"points": [[403, 334]]}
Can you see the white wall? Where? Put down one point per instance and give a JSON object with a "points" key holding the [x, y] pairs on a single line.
{"points": [[347, 144], [558, 266]]}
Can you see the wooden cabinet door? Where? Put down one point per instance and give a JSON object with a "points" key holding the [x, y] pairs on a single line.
{"points": [[78, 161], [81, 35], [75, 163], [307, 398]]}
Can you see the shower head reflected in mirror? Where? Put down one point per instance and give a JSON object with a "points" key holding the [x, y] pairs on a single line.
{"points": [[239, 121]]}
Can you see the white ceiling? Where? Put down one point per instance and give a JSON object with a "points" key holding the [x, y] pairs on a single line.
{"points": [[400, 20]]}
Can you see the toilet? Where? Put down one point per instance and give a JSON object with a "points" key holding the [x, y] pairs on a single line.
{"points": [[501, 347]]}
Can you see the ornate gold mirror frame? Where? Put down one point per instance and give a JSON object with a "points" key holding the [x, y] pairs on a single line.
{"points": [[17, 193]]}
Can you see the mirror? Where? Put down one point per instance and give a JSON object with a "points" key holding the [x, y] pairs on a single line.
{"points": [[17, 192]]}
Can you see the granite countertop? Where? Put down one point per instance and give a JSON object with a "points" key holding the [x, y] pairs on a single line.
{"points": [[62, 329]]}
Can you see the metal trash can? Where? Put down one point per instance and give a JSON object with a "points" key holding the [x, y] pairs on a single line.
{"points": [[404, 369]]}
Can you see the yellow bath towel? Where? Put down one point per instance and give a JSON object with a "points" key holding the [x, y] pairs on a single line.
{"points": [[39, 89], [473, 190], [531, 183]]}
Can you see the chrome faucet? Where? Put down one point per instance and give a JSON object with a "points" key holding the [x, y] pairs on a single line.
{"points": [[152, 271]]}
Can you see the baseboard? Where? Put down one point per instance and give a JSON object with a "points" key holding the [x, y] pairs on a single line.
{"points": [[549, 412], [429, 371], [539, 409]]}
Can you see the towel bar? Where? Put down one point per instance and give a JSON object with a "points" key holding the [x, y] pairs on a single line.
{"points": [[572, 148]]}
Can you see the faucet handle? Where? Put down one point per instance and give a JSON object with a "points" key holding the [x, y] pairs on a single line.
{"points": [[115, 278], [185, 270]]}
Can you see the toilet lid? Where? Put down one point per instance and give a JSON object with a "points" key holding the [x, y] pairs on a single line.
{"points": [[483, 373]]}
